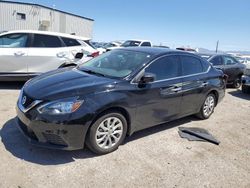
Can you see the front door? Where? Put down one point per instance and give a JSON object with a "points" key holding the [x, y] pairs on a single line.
{"points": [[13, 54], [160, 101]]}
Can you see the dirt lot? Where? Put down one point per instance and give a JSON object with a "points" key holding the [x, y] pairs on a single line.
{"points": [[156, 157]]}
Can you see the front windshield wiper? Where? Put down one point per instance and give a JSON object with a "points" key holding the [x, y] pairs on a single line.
{"points": [[92, 72]]}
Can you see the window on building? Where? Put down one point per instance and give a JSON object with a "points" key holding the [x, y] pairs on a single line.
{"points": [[20, 16], [46, 41]]}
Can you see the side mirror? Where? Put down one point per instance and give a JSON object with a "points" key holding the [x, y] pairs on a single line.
{"points": [[79, 55], [147, 78]]}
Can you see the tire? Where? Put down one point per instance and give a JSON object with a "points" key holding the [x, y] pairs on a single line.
{"points": [[245, 89], [237, 83], [207, 107], [107, 133]]}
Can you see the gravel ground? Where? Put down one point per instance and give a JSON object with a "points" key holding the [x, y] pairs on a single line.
{"points": [[156, 157]]}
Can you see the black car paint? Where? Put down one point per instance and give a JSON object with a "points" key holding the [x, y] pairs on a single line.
{"points": [[143, 106], [234, 71]]}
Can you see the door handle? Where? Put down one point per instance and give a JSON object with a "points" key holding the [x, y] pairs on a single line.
{"points": [[176, 89], [19, 53], [204, 84], [61, 54]]}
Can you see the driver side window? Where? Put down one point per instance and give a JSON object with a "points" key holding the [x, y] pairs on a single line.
{"points": [[229, 60], [165, 68]]}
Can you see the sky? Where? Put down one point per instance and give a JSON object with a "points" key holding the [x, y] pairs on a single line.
{"points": [[175, 23]]}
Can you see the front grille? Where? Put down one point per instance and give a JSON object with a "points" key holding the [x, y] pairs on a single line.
{"points": [[54, 139]]}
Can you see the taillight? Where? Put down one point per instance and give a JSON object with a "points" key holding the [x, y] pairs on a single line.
{"points": [[94, 54]]}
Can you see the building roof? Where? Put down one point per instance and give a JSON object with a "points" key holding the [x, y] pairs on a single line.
{"points": [[34, 4]]}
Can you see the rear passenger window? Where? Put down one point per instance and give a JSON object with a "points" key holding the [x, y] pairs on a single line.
{"points": [[46, 41], [146, 44], [191, 65], [216, 61], [165, 68], [70, 42]]}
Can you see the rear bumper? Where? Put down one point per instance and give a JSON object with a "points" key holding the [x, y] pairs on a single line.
{"points": [[51, 135]]}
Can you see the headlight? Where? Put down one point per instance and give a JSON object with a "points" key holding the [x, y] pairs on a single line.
{"points": [[64, 106]]}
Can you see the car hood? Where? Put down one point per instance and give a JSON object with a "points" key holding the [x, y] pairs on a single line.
{"points": [[66, 82]]}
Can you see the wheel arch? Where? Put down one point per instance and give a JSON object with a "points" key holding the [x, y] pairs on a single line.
{"points": [[118, 109], [216, 94], [66, 65]]}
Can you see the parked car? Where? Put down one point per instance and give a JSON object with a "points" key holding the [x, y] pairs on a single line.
{"points": [[186, 49], [24, 54], [104, 48], [229, 65], [116, 94], [246, 79], [132, 43]]}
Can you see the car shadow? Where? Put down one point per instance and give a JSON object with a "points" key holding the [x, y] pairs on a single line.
{"points": [[159, 128], [239, 94], [19, 147], [11, 85]]}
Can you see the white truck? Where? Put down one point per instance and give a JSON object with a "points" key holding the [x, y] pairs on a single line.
{"points": [[133, 43]]}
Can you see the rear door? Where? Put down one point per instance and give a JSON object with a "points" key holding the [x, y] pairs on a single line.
{"points": [[195, 81], [13, 54], [231, 68], [46, 53], [160, 100], [217, 62]]}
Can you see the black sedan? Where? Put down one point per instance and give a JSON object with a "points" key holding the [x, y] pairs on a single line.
{"points": [[229, 65], [114, 95]]}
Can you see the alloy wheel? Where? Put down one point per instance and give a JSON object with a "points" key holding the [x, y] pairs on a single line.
{"points": [[109, 132], [208, 107]]}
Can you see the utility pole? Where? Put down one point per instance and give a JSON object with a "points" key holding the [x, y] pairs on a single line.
{"points": [[217, 45]]}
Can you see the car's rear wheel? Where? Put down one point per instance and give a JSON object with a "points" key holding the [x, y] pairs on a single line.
{"points": [[207, 107], [107, 133], [237, 83]]}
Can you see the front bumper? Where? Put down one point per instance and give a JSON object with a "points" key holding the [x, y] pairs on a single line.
{"points": [[246, 80], [51, 135]]}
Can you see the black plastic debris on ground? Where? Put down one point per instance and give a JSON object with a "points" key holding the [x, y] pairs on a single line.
{"points": [[197, 134]]}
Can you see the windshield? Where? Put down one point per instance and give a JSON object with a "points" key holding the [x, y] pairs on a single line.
{"points": [[130, 43], [116, 63]]}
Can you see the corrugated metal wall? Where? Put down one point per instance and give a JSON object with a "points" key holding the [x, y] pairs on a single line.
{"points": [[40, 18]]}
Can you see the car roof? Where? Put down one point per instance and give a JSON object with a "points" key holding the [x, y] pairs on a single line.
{"points": [[47, 33], [156, 51], [139, 40]]}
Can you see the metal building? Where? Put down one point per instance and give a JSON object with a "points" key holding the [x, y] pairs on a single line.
{"points": [[22, 16]]}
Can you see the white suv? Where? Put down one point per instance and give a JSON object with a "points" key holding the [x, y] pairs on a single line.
{"points": [[24, 54]]}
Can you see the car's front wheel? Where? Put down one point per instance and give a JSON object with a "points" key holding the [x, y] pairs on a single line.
{"points": [[107, 133], [208, 107]]}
